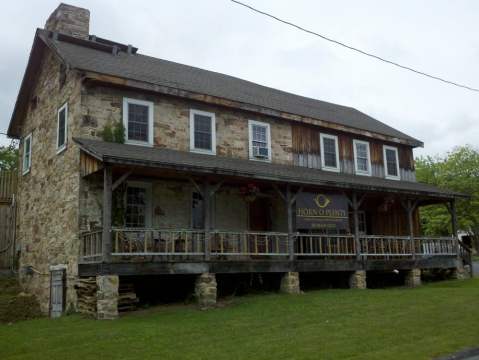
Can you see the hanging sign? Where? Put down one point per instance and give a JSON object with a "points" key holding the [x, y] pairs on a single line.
{"points": [[322, 211]]}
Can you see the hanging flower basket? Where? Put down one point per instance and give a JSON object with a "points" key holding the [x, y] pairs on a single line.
{"points": [[249, 192]]}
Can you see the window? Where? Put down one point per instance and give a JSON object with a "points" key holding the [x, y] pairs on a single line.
{"points": [[329, 152], [138, 199], [62, 125], [259, 141], [202, 132], [138, 121], [362, 158], [27, 154], [391, 162]]}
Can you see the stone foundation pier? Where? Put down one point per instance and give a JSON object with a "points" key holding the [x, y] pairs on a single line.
{"points": [[107, 297], [206, 290], [357, 280], [290, 283], [413, 278], [460, 272]]}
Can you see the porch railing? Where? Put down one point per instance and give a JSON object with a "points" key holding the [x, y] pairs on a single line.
{"points": [[249, 243], [91, 246], [127, 242], [325, 245], [144, 242]]}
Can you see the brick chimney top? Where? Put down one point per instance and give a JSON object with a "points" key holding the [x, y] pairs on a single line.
{"points": [[70, 20]]}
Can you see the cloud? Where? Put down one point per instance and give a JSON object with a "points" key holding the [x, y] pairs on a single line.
{"points": [[438, 37]]}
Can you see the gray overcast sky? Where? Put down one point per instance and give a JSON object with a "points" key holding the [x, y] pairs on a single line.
{"points": [[439, 37]]}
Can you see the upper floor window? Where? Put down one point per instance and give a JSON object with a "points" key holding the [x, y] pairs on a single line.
{"points": [[62, 124], [138, 121], [27, 154], [202, 132], [329, 152], [391, 162], [259, 141], [362, 158]]}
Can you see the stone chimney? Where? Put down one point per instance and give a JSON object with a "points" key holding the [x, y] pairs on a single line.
{"points": [[69, 20]]}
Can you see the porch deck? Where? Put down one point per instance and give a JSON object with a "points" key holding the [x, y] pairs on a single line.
{"points": [[189, 251]]}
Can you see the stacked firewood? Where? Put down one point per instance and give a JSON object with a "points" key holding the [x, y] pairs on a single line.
{"points": [[86, 292], [127, 299]]}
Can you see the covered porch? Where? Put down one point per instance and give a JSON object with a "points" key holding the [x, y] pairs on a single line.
{"points": [[233, 215]]}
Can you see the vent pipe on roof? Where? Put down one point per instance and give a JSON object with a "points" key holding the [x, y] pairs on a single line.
{"points": [[70, 20]]}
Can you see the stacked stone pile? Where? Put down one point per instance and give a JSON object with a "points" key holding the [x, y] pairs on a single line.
{"points": [[86, 291]]}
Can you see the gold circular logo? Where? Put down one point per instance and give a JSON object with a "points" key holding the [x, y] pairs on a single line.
{"points": [[322, 200]]}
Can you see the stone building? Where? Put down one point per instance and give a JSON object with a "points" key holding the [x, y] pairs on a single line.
{"points": [[214, 175]]}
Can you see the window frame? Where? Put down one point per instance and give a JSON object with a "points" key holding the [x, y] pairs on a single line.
{"points": [[149, 201], [251, 123], [25, 171], [356, 169], [336, 142], [212, 117], [150, 105], [61, 148], [386, 175]]}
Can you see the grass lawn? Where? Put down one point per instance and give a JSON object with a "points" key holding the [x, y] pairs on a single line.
{"points": [[420, 323]]}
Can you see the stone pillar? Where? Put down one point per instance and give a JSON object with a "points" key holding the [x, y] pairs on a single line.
{"points": [[290, 283], [357, 280], [413, 278], [459, 273], [107, 297], [205, 290]]}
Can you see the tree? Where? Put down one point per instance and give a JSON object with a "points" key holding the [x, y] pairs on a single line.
{"points": [[8, 157], [457, 171]]}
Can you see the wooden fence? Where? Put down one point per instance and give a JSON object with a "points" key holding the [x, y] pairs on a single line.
{"points": [[8, 186]]}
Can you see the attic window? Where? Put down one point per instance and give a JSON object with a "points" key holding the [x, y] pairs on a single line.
{"points": [[329, 152], [391, 162], [27, 154], [34, 102]]}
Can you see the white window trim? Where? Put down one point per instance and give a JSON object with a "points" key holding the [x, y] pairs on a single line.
{"points": [[357, 171], [27, 170], [61, 148], [148, 207], [268, 139], [211, 115], [150, 105], [323, 166], [387, 176]]}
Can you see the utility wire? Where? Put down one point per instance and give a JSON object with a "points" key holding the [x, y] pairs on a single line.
{"points": [[356, 49]]}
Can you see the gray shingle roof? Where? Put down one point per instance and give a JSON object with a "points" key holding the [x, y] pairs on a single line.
{"points": [[166, 73], [200, 163]]}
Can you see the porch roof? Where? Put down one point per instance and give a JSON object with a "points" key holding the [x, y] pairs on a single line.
{"points": [[123, 154]]}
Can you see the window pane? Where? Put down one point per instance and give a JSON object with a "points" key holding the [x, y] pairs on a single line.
{"points": [[61, 128], [329, 152], [135, 207], [203, 132], [138, 122], [391, 162]]}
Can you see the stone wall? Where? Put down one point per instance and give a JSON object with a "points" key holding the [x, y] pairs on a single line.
{"points": [[101, 105], [47, 220]]}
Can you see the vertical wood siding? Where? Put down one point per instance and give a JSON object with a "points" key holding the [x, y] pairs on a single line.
{"points": [[307, 152]]}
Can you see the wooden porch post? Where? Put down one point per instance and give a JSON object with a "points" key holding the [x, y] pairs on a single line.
{"points": [[207, 216], [410, 206], [289, 204], [107, 199], [357, 243], [452, 211]]}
